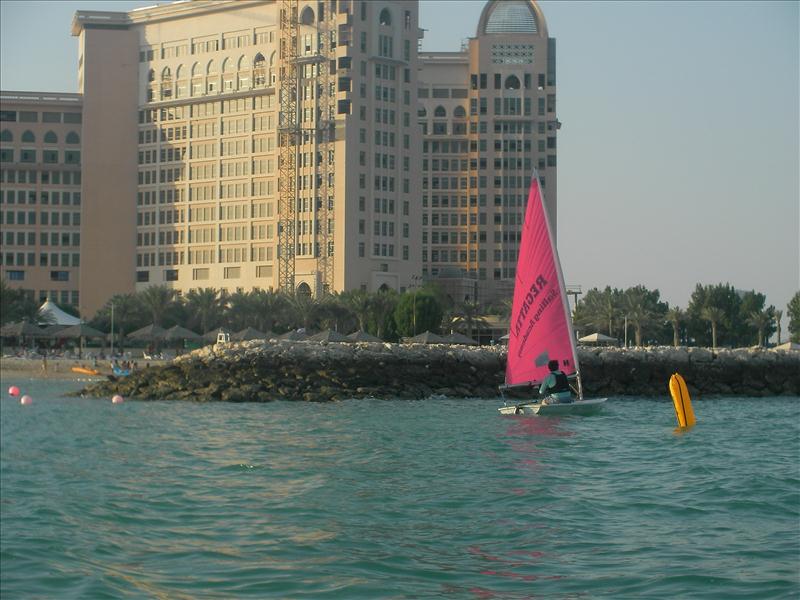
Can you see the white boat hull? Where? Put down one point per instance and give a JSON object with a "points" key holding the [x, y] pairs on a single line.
{"points": [[579, 407]]}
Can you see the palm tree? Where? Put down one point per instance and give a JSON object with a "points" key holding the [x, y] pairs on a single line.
{"points": [[675, 317], [383, 305], [760, 320], [239, 310], [599, 309], [271, 308], [715, 316], [157, 300], [205, 307], [637, 311], [466, 317], [303, 310], [778, 317], [359, 302]]}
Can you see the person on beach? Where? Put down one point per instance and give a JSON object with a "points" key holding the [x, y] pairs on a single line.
{"points": [[555, 387]]}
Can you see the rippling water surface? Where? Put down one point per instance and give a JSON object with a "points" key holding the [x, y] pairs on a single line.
{"points": [[396, 499]]}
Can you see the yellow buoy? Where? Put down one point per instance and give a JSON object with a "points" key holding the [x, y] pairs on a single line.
{"points": [[681, 400]]}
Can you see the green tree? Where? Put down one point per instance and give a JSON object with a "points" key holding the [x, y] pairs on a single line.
{"points": [[303, 311], [360, 304], [204, 307], [157, 301], [778, 316], [17, 305], [644, 311], [467, 317], [760, 320], [381, 322], [675, 318], [793, 312], [715, 316], [599, 310], [721, 296], [746, 331], [129, 315], [419, 312]]}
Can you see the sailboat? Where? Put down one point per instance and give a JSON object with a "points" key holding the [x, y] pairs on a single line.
{"points": [[541, 326]]}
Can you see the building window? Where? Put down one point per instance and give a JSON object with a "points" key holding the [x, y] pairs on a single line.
{"points": [[6, 136], [59, 275], [385, 17], [73, 138], [16, 275], [142, 276], [50, 138], [28, 137]]}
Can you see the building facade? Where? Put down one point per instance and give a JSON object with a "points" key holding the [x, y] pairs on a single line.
{"points": [[40, 194], [488, 116], [219, 157], [286, 144]]}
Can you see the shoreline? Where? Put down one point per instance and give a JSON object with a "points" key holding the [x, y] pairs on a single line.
{"points": [[12, 367]]}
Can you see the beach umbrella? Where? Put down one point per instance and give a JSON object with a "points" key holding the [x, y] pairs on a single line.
{"points": [[212, 335], [458, 338], [179, 334], [598, 338], [328, 336], [426, 337], [149, 333], [293, 336], [362, 336], [251, 333], [80, 332], [22, 329]]}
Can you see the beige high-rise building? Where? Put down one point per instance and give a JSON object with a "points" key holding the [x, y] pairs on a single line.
{"points": [[308, 146], [488, 116], [215, 156], [40, 194]]}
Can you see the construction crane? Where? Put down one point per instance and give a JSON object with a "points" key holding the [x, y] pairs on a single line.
{"points": [[314, 69], [288, 133]]}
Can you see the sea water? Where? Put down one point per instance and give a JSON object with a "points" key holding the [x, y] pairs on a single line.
{"points": [[396, 499]]}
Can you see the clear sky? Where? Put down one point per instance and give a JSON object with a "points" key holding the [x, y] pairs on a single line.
{"points": [[678, 159]]}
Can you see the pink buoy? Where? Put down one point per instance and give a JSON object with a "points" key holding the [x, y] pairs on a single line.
{"points": [[26, 400], [13, 391], [117, 399]]}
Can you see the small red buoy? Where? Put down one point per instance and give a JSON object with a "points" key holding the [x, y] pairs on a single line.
{"points": [[13, 391], [26, 400], [117, 399]]}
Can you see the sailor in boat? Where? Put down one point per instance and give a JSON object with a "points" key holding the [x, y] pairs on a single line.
{"points": [[555, 387]]}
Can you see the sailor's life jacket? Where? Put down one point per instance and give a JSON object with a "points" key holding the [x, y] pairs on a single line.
{"points": [[562, 384]]}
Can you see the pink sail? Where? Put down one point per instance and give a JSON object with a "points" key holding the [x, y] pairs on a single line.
{"points": [[540, 328]]}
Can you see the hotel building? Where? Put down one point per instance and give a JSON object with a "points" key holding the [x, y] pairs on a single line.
{"points": [[298, 145], [40, 194]]}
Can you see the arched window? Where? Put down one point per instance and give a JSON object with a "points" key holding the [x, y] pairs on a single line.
{"points": [[227, 65], [307, 16], [211, 68], [6, 136], [385, 17], [459, 112], [73, 138], [28, 137], [50, 137], [151, 75], [512, 82], [422, 113], [166, 74], [440, 111], [196, 72], [241, 64], [304, 290], [259, 70], [179, 72]]}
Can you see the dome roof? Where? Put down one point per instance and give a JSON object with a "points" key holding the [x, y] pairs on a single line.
{"points": [[511, 16]]}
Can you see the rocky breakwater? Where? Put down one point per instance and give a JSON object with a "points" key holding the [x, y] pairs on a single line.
{"points": [[260, 371], [263, 371]]}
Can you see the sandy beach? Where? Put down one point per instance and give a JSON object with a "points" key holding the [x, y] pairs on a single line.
{"points": [[59, 368]]}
